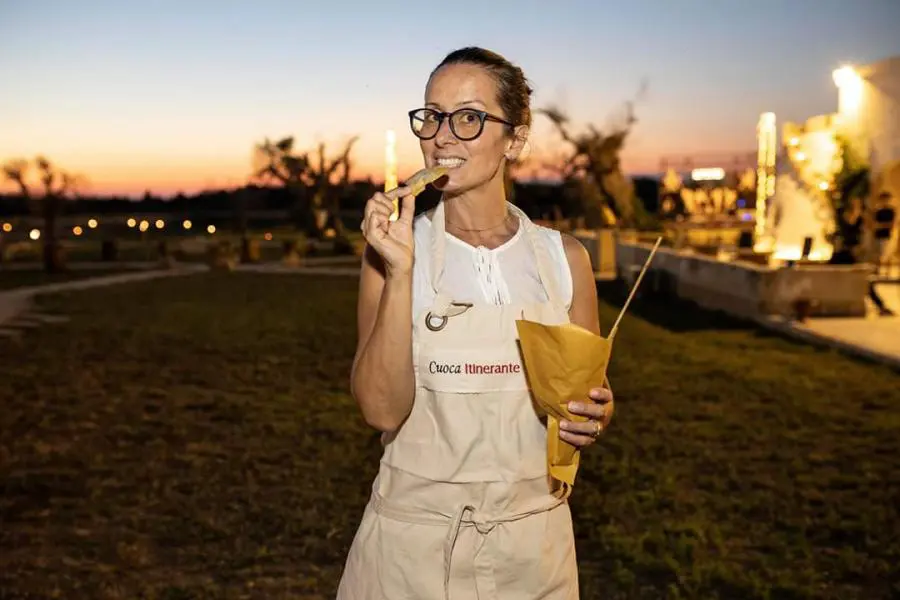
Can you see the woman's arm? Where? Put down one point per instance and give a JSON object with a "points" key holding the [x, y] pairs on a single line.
{"points": [[584, 312], [382, 378]]}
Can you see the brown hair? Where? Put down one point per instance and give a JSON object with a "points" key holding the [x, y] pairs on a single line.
{"points": [[513, 91]]}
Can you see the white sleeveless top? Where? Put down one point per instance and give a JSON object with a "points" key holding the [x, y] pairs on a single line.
{"points": [[481, 276]]}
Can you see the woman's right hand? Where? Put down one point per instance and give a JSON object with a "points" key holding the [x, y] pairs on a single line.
{"points": [[392, 240]]}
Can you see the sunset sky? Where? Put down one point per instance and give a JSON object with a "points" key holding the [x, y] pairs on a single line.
{"points": [[170, 96]]}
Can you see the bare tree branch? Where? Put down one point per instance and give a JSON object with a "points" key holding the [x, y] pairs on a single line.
{"points": [[279, 162], [276, 162], [16, 171], [58, 186], [344, 158], [594, 159], [559, 119]]}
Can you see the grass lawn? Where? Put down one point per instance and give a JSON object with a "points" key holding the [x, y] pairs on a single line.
{"points": [[10, 279], [194, 438]]}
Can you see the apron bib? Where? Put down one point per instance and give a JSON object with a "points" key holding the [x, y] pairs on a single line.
{"points": [[462, 506]]}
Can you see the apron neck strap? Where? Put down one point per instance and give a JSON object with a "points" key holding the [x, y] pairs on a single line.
{"points": [[438, 247], [546, 266]]}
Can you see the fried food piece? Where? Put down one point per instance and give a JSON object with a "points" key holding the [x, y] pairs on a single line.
{"points": [[417, 184]]}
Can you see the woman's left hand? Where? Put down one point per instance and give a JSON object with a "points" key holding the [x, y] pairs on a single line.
{"points": [[599, 414]]}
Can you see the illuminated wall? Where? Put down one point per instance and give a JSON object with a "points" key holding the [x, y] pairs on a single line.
{"points": [[869, 109], [796, 204], [869, 115], [795, 213], [801, 206]]}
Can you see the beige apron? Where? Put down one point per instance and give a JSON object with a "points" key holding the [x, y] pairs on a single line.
{"points": [[461, 508]]}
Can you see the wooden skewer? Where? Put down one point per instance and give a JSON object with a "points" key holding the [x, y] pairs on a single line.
{"points": [[615, 327]]}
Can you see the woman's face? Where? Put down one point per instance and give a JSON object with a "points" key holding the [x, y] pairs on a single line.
{"points": [[472, 162]]}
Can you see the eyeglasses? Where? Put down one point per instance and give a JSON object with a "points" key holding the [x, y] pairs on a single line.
{"points": [[465, 123]]}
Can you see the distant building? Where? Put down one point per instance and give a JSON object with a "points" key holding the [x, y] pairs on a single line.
{"points": [[869, 109]]}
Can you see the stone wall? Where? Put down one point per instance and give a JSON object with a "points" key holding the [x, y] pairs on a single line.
{"points": [[746, 289]]}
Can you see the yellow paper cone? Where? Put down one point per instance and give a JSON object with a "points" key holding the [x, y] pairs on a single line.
{"points": [[562, 364]]}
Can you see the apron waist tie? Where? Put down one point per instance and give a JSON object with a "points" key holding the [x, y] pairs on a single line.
{"points": [[464, 516]]}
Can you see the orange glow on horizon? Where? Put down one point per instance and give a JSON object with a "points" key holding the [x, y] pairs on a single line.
{"points": [[164, 182], [132, 176]]}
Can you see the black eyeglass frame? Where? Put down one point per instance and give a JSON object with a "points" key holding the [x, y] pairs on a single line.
{"points": [[482, 116]]}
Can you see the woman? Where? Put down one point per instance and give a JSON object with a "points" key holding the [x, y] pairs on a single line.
{"points": [[851, 250], [883, 226], [461, 507]]}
